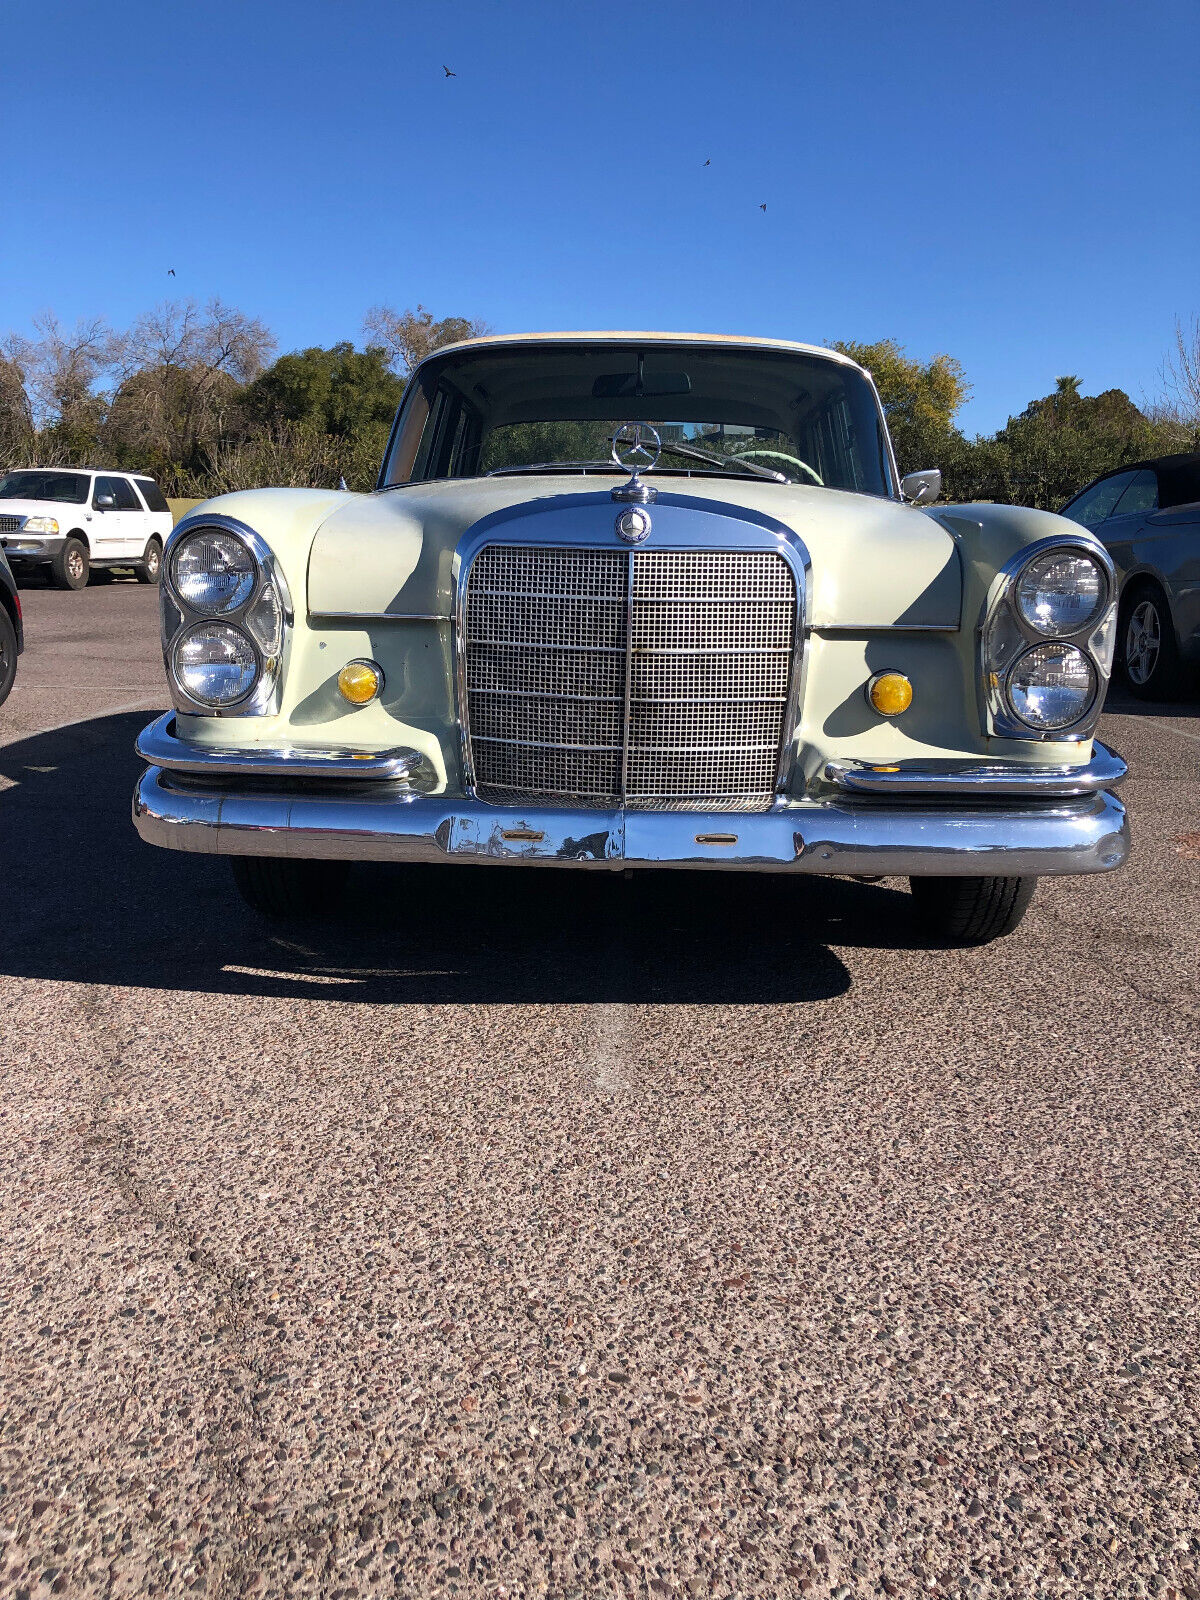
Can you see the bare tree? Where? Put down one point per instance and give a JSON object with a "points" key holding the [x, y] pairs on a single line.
{"points": [[409, 336], [182, 369], [16, 417], [1181, 374], [60, 369]]}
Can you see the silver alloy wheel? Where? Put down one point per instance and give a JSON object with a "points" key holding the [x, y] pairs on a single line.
{"points": [[1143, 641], [153, 558], [75, 564]]}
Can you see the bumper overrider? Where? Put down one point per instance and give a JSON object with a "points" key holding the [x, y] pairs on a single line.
{"points": [[936, 818]]}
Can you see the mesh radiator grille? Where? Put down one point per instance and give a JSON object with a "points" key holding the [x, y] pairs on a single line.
{"points": [[637, 678]]}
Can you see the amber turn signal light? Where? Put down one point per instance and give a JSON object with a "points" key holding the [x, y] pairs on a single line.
{"points": [[890, 693], [359, 682]]}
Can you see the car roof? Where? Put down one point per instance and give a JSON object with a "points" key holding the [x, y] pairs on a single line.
{"points": [[641, 337], [1178, 476], [107, 472]]}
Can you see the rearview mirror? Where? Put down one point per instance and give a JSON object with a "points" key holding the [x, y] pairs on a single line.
{"points": [[106, 502], [640, 385], [921, 488]]}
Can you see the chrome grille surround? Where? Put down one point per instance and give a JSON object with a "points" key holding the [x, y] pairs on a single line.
{"points": [[649, 678]]}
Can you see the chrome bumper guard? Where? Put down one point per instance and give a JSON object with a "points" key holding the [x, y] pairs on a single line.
{"points": [[161, 746], [185, 801], [981, 780]]}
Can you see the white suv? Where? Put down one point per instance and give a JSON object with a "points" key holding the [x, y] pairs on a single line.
{"points": [[73, 518]]}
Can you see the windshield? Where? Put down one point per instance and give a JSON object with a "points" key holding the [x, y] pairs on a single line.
{"points": [[720, 411], [70, 488]]}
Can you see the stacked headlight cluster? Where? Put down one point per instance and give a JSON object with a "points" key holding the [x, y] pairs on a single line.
{"points": [[225, 609], [1048, 642]]}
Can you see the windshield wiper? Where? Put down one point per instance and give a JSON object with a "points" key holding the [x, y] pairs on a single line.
{"points": [[555, 466], [726, 462]]}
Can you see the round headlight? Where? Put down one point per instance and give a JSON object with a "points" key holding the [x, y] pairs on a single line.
{"points": [[1052, 686], [1061, 592], [215, 664], [213, 571]]}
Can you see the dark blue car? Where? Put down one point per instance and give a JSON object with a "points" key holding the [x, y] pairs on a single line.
{"points": [[12, 634]]}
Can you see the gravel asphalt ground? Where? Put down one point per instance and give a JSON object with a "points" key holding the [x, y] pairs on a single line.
{"points": [[535, 1234]]}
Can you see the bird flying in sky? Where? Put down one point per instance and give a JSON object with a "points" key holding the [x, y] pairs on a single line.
{"points": [[708, 163], [762, 208], [448, 73], [170, 272]]}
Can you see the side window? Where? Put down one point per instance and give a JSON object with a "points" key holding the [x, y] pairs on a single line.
{"points": [[1140, 497], [1095, 505], [152, 494], [112, 486], [126, 499]]}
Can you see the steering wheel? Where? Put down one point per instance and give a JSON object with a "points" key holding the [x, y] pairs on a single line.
{"points": [[780, 455]]}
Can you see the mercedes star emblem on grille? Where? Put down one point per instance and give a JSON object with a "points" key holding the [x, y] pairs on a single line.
{"points": [[633, 524]]}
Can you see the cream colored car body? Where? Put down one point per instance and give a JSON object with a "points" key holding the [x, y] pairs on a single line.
{"points": [[889, 587], [893, 587]]}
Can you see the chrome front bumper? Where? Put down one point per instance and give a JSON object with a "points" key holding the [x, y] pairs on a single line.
{"points": [[269, 805]]}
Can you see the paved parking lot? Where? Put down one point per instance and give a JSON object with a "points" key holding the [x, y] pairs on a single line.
{"points": [[523, 1235]]}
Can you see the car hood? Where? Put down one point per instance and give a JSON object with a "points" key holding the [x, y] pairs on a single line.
{"points": [[38, 508], [875, 563]]}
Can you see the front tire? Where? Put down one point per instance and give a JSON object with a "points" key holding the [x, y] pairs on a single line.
{"points": [[149, 569], [70, 567], [8, 654], [285, 890], [1149, 649], [971, 911]]}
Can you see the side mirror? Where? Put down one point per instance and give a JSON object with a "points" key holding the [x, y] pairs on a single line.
{"points": [[108, 502], [921, 488]]}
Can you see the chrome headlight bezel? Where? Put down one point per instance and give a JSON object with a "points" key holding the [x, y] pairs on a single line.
{"points": [[264, 615], [1007, 635]]}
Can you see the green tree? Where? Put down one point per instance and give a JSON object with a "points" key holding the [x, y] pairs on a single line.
{"points": [[920, 400], [341, 390], [1064, 439]]}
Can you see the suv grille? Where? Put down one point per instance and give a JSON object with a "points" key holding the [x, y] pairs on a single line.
{"points": [[10, 524], [639, 678]]}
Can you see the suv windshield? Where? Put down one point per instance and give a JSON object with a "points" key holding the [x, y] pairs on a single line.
{"points": [[720, 410], [70, 488]]}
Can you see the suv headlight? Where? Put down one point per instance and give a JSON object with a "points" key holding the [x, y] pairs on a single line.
{"points": [[225, 615], [1047, 641], [40, 525]]}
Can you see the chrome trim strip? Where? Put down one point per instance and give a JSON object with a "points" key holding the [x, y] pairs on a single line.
{"points": [[884, 627], [377, 616], [160, 745], [851, 839], [1103, 771], [626, 724]]}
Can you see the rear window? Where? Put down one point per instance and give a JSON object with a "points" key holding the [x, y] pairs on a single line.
{"points": [[152, 494]]}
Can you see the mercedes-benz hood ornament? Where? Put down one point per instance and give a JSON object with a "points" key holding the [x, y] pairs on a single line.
{"points": [[636, 446]]}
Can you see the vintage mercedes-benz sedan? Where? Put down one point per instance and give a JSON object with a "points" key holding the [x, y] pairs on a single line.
{"points": [[631, 600]]}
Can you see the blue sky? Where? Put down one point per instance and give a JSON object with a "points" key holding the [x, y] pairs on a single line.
{"points": [[1014, 184]]}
